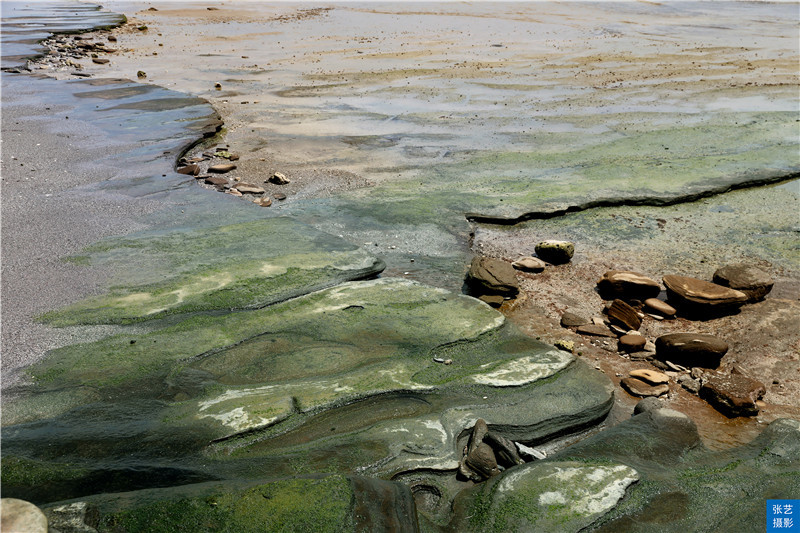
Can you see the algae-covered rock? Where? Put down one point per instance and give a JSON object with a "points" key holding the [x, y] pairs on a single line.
{"points": [[320, 504], [543, 496], [340, 380], [245, 265]]}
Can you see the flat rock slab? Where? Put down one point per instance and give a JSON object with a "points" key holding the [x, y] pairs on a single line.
{"points": [[243, 265], [627, 285], [698, 295], [487, 275], [650, 376], [691, 349], [595, 330], [733, 394], [641, 388], [654, 305], [555, 252], [572, 320], [543, 496], [749, 279], [222, 168], [249, 188]]}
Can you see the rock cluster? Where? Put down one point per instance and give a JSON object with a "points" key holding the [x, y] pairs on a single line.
{"points": [[686, 355], [210, 159], [65, 51], [488, 453]]}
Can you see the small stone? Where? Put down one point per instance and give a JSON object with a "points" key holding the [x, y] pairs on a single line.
{"points": [[279, 179], [112, 39], [624, 315], [249, 188], [632, 343], [494, 300], [141, 74], [467, 472], [21, 516], [487, 275], [189, 170], [627, 284], [690, 384], [233, 192], [657, 306], [752, 281], [733, 395], [571, 320], [218, 181], [101, 60], [567, 346], [279, 196], [650, 347], [529, 264], [691, 349], [218, 86], [650, 376], [73, 517], [265, 202], [595, 330], [555, 252], [698, 295], [222, 168], [637, 387], [650, 403]]}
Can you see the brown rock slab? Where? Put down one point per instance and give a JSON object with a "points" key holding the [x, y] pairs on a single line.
{"points": [[698, 295], [691, 349], [529, 264], [650, 376], [191, 170], [217, 181], [555, 252], [249, 188], [632, 343], [654, 305], [222, 168], [265, 202], [751, 280], [627, 284], [624, 315], [733, 394], [279, 196], [595, 330], [637, 387], [571, 320], [100, 60], [492, 276]]}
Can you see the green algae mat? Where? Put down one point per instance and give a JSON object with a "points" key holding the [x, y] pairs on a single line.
{"points": [[238, 266]]}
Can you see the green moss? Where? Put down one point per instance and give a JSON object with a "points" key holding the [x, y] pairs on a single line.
{"points": [[22, 472], [292, 505]]}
